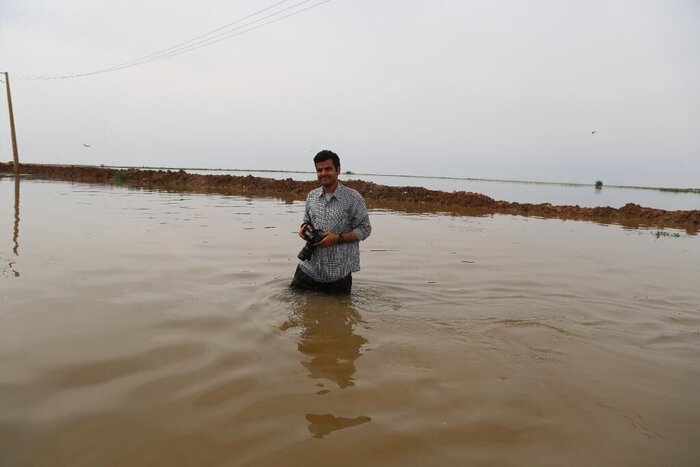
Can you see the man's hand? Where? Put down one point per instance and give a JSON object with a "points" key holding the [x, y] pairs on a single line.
{"points": [[329, 239], [303, 228]]}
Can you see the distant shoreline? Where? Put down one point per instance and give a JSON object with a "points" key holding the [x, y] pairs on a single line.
{"points": [[428, 177], [410, 199]]}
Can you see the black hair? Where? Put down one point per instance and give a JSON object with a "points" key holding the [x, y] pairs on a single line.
{"points": [[325, 155]]}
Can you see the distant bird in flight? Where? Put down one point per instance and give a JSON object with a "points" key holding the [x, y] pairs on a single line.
{"points": [[593, 132], [87, 145]]}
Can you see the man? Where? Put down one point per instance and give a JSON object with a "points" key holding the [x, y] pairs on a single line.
{"points": [[341, 213]]}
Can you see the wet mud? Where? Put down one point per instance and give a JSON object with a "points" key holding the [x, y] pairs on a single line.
{"points": [[405, 199]]}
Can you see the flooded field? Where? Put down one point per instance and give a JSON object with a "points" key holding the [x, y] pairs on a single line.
{"points": [[143, 328]]}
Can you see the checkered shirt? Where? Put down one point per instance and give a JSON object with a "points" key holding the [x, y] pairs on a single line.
{"points": [[346, 211]]}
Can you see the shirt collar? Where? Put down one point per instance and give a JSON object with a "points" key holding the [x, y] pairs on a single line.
{"points": [[338, 193]]}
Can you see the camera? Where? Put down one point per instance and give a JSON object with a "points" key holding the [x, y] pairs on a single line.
{"points": [[311, 236]]}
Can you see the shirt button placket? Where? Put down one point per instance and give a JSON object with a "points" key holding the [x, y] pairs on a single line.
{"points": [[325, 213]]}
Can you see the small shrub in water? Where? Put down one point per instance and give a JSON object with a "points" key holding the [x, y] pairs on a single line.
{"points": [[120, 177], [661, 233]]}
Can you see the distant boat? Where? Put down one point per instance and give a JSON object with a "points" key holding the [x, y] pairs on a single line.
{"points": [[87, 145], [593, 132]]}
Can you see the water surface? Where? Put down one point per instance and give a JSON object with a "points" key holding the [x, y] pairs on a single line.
{"points": [[149, 328]]}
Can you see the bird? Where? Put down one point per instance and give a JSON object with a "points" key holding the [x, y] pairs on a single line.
{"points": [[87, 145], [593, 132]]}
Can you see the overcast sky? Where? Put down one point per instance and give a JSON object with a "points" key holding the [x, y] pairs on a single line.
{"points": [[505, 89]]}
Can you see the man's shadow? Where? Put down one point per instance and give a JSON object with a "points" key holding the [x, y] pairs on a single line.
{"points": [[330, 346]]}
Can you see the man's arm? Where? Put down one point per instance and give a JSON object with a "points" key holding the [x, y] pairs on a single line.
{"points": [[362, 229], [330, 238]]}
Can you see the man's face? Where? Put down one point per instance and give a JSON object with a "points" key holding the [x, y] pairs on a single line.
{"points": [[327, 173]]}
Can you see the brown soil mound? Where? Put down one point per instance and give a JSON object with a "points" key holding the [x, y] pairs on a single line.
{"points": [[406, 199]]}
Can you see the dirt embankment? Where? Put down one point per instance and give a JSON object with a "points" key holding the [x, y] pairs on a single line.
{"points": [[407, 199]]}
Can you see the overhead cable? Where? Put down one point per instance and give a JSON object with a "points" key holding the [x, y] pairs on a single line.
{"points": [[202, 40]]}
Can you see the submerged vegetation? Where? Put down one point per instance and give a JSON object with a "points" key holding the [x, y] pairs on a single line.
{"points": [[662, 233], [680, 190]]}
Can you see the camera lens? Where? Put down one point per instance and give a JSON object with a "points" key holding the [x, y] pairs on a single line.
{"points": [[311, 236], [306, 252]]}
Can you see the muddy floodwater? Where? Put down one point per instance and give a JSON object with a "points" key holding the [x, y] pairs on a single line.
{"points": [[143, 328]]}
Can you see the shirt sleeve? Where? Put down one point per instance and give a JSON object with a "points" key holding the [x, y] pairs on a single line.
{"points": [[307, 213], [362, 227]]}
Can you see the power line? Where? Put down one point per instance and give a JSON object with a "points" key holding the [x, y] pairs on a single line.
{"points": [[196, 42], [201, 36], [228, 34], [200, 41]]}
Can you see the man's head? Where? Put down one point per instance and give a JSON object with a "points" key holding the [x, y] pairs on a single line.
{"points": [[326, 155], [327, 169]]}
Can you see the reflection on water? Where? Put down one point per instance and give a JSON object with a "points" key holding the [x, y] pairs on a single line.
{"points": [[15, 233], [322, 425], [330, 346], [328, 339], [15, 230]]}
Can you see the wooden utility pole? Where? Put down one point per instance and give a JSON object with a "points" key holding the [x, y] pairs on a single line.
{"points": [[15, 153]]}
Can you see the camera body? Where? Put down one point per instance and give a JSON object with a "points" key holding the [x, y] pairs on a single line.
{"points": [[311, 236]]}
